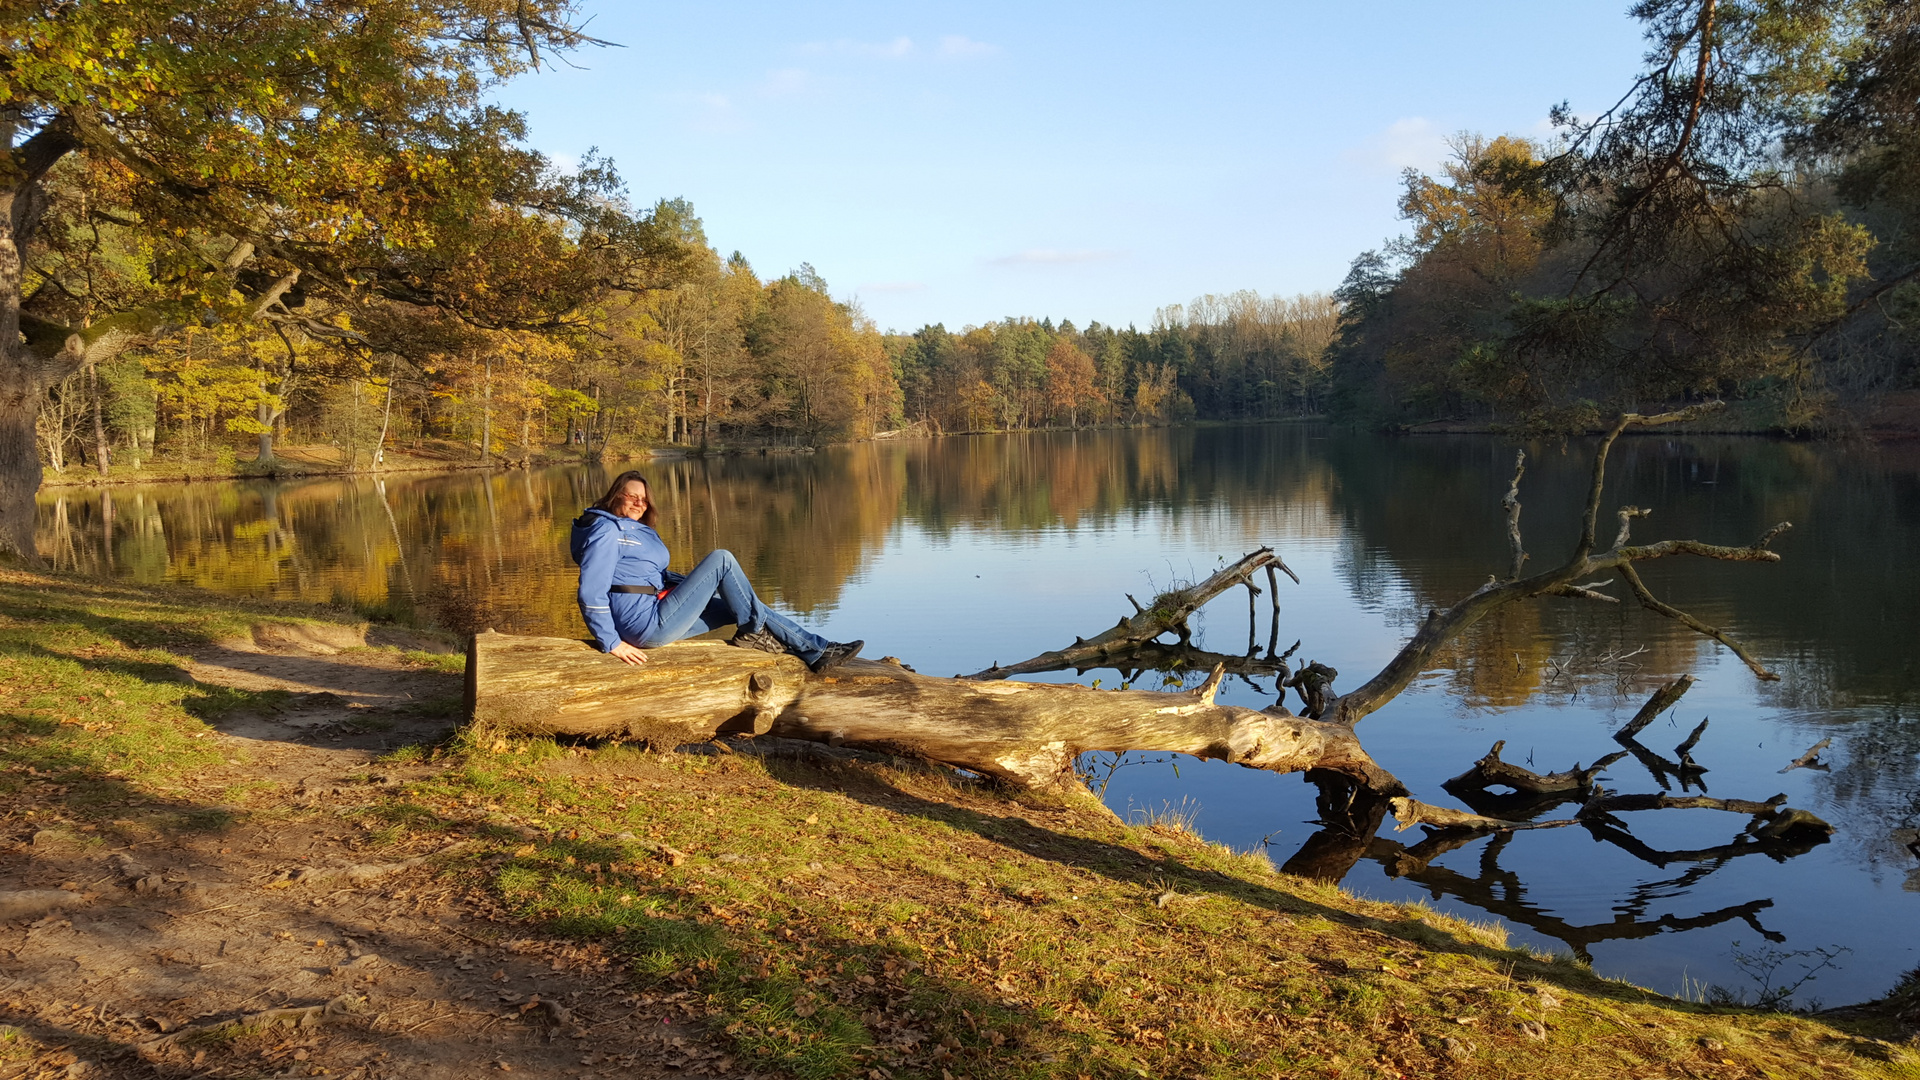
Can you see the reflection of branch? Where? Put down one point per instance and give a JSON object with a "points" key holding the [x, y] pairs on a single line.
{"points": [[1512, 503], [1778, 850], [1500, 892], [1349, 816], [1667, 773]]}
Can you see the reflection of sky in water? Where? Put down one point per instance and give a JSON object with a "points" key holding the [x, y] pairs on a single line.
{"points": [[955, 554]]}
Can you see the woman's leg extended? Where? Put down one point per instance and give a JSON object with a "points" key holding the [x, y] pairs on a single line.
{"points": [[801, 641], [715, 592]]}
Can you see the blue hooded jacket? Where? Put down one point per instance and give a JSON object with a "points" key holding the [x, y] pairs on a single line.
{"points": [[613, 550]]}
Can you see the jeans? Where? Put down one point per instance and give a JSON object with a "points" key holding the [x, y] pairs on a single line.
{"points": [[717, 593]]}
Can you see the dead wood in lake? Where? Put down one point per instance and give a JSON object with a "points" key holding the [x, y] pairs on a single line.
{"points": [[1167, 614]]}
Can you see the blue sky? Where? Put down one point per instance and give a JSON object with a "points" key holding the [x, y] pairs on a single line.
{"points": [[960, 163]]}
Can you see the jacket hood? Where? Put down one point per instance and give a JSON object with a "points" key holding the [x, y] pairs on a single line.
{"points": [[583, 527]]}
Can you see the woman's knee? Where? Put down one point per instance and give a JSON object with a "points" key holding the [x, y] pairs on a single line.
{"points": [[724, 558]]}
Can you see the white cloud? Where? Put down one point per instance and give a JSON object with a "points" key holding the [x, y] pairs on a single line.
{"points": [[710, 111], [959, 45], [1408, 143], [785, 82], [886, 50], [1057, 257], [893, 287]]}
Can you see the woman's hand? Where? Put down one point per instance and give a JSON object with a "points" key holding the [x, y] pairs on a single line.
{"points": [[627, 654]]}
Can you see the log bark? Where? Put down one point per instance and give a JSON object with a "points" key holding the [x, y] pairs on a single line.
{"points": [[1167, 614], [1027, 734]]}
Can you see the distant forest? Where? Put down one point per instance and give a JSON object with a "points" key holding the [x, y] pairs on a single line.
{"points": [[1742, 223]]}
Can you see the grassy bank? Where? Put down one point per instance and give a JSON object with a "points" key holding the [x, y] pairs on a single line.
{"points": [[807, 917]]}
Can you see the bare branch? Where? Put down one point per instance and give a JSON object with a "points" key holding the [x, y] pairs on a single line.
{"points": [[1599, 484], [1627, 515], [1584, 592], [1410, 812], [1660, 702], [1685, 750], [1810, 759], [1655, 604], [274, 292], [1167, 613], [1440, 626], [1490, 771]]}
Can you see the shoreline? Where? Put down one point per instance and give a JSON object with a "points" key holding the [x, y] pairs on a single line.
{"points": [[303, 462]]}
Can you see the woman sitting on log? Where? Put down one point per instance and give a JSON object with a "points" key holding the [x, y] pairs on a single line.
{"points": [[632, 602]]}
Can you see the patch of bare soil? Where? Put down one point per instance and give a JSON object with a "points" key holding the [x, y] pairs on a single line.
{"points": [[288, 937]]}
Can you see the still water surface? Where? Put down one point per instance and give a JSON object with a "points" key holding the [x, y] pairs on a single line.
{"points": [[954, 554]]}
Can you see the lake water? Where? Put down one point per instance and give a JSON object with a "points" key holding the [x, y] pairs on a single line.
{"points": [[957, 553]]}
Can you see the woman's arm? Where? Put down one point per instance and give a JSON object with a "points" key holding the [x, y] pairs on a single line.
{"points": [[601, 555]]}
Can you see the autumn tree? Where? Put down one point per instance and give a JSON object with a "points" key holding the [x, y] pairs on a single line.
{"points": [[286, 158], [1070, 381]]}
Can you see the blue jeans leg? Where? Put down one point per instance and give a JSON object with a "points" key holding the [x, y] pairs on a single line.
{"points": [[716, 593]]}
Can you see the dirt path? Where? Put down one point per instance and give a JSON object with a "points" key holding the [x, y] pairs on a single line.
{"points": [[291, 936]]}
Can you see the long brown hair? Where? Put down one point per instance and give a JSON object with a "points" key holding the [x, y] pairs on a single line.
{"points": [[613, 492]]}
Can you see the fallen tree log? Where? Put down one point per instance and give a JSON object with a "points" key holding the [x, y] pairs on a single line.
{"points": [[1027, 734]]}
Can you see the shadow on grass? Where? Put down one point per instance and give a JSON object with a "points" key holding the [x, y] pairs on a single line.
{"points": [[1126, 865]]}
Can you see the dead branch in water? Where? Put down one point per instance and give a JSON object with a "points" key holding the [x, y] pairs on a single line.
{"points": [[1441, 626], [1167, 614]]}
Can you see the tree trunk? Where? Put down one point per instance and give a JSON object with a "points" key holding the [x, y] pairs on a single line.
{"points": [[386, 421], [101, 457], [1028, 734], [486, 414], [263, 412], [21, 392]]}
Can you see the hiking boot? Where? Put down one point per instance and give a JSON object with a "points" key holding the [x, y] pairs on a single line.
{"points": [[761, 639], [835, 654]]}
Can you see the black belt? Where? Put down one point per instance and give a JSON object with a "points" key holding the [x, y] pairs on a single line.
{"points": [[651, 590]]}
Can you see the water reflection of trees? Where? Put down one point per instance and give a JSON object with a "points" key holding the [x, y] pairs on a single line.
{"points": [[1426, 513], [1834, 618], [489, 549]]}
